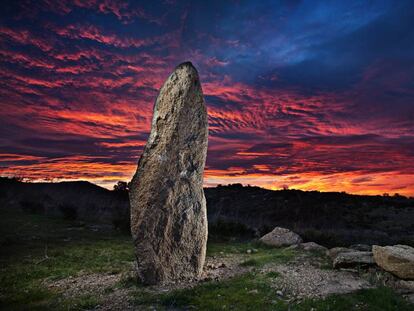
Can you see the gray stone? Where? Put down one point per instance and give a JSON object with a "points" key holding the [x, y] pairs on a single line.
{"points": [[281, 237], [313, 247], [361, 247], [168, 207], [397, 259], [333, 252], [353, 259]]}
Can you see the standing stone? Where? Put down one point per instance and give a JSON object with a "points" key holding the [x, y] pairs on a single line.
{"points": [[168, 207]]}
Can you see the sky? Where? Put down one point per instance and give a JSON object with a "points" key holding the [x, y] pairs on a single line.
{"points": [[311, 95]]}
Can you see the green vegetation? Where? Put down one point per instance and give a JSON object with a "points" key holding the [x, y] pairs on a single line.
{"points": [[377, 299], [260, 254], [252, 291], [269, 256], [216, 248], [249, 291], [224, 230], [38, 250]]}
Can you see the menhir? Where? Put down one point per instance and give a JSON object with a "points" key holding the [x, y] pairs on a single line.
{"points": [[168, 207]]}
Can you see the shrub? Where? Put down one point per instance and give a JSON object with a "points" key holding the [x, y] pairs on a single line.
{"points": [[325, 238], [68, 211], [224, 230], [122, 224], [32, 207]]}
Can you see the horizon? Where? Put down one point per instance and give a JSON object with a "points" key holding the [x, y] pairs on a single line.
{"points": [[112, 188], [305, 95]]}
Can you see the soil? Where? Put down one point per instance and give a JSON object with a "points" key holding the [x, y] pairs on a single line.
{"points": [[304, 277]]}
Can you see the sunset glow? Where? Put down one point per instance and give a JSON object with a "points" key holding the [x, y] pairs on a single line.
{"points": [[309, 95]]}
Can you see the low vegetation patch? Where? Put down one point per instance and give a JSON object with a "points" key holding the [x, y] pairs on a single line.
{"points": [[252, 291], [376, 299], [249, 290], [263, 257], [37, 249]]}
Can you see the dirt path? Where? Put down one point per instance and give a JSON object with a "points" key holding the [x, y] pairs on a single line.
{"points": [[304, 277], [303, 280]]}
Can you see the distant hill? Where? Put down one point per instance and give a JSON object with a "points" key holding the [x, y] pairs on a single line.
{"points": [[72, 200], [330, 218]]}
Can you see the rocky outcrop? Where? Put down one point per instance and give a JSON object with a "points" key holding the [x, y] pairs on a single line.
{"points": [[361, 247], [335, 251], [168, 208], [397, 259], [312, 247], [281, 237], [353, 259]]}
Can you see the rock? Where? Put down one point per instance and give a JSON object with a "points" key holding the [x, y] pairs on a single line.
{"points": [[353, 259], [249, 251], [168, 207], [281, 237], [397, 259], [333, 252], [312, 246], [405, 286], [294, 246], [307, 281], [361, 247]]}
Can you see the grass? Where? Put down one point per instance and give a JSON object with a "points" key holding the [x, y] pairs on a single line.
{"points": [[260, 254], [263, 257], [75, 249], [248, 290], [377, 299], [36, 248], [221, 248], [252, 291]]}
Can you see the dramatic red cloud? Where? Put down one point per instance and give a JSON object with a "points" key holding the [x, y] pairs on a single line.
{"points": [[76, 99]]}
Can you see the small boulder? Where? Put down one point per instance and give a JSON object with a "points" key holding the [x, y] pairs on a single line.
{"points": [[361, 247], [353, 259], [333, 252], [397, 259], [281, 237], [312, 246]]}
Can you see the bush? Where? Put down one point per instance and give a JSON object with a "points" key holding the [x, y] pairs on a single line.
{"points": [[121, 219], [122, 224], [223, 230], [68, 211], [32, 207], [325, 238]]}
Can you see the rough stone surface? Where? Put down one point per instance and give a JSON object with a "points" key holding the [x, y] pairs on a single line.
{"points": [[168, 207], [353, 259], [333, 252], [312, 246], [281, 237], [303, 280], [397, 259], [361, 247]]}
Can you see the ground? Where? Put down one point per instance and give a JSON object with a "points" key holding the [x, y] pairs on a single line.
{"points": [[52, 264]]}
